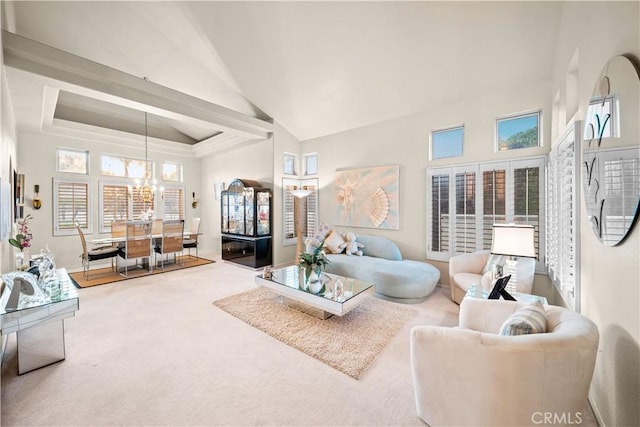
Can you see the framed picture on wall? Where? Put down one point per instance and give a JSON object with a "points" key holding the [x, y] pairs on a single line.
{"points": [[367, 197]]}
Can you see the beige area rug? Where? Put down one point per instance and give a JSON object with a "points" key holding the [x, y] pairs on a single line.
{"points": [[101, 276], [349, 343]]}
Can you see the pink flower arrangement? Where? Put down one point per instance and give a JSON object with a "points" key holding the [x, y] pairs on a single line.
{"points": [[24, 236]]}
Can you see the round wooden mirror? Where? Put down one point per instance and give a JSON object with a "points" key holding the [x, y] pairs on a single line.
{"points": [[611, 151]]}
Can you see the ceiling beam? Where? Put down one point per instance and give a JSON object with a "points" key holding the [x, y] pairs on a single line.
{"points": [[85, 77]]}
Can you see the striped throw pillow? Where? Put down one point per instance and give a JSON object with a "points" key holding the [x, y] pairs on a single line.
{"points": [[529, 319]]}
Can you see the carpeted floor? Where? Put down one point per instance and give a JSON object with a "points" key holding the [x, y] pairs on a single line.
{"points": [[101, 276], [153, 351], [349, 344]]}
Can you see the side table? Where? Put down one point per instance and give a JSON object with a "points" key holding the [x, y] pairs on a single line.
{"points": [[519, 296], [39, 324]]}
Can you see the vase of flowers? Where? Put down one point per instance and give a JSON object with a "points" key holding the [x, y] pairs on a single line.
{"points": [[312, 264], [22, 241]]}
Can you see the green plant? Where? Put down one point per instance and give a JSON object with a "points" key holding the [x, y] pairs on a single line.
{"points": [[23, 237], [314, 261]]}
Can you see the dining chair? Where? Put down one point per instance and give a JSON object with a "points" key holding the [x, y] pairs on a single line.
{"points": [[95, 254], [171, 240], [137, 244], [192, 240], [118, 230], [156, 227]]}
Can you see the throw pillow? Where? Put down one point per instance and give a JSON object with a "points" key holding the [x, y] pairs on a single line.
{"points": [[333, 242], [494, 259], [323, 231], [529, 319]]}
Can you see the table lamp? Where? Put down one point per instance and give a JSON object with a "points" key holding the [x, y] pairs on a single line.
{"points": [[513, 241], [298, 195]]}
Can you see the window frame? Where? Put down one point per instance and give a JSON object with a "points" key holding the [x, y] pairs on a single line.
{"points": [[509, 166], [73, 150], [102, 228], [432, 148], [164, 200], [306, 158], [57, 231], [288, 209], [150, 170], [180, 171], [293, 160], [613, 123], [562, 260], [537, 113]]}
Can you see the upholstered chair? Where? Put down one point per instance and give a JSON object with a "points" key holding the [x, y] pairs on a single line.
{"points": [[466, 270], [95, 254], [471, 375], [191, 241]]}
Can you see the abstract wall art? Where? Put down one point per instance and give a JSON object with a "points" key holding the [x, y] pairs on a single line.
{"points": [[367, 197]]}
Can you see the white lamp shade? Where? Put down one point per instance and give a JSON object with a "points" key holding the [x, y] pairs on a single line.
{"points": [[513, 240]]}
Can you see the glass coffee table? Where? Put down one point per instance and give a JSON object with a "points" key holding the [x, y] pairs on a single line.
{"points": [[289, 284]]}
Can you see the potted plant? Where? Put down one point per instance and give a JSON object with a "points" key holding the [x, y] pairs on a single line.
{"points": [[313, 263]]}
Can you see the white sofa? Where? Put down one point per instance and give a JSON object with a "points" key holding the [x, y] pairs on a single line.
{"points": [[465, 271], [470, 375], [395, 279]]}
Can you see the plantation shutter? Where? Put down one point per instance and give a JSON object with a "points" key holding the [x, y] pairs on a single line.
{"points": [[71, 206], [621, 186], [311, 211], [464, 202], [554, 188], [493, 202], [138, 206], [173, 203], [438, 225], [309, 205], [115, 205], [563, 189], [289, 222], [465, 212], [526, 205]]}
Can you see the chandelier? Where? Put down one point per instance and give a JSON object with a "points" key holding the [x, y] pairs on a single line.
{"points": [[145, 192]]}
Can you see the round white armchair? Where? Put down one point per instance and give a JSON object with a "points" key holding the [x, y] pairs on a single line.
{"points": [[470, 375]]}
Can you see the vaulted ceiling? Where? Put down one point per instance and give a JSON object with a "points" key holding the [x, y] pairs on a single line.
{"points": [[317, 68]]}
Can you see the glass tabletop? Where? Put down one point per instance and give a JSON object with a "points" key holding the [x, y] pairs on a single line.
{"points": [[291, 277], [56, 287]]}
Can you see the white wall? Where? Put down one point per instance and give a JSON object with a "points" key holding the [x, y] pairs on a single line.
{"points": [[253, 160], [7, 154], [283, 142], [610, 276], [37, 161], [405, 141]]}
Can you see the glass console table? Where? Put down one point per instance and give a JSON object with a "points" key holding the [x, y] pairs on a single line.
{"points": [[37, 318]]}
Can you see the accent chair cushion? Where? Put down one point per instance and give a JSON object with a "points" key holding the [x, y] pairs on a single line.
{"points": [[528, 319]]}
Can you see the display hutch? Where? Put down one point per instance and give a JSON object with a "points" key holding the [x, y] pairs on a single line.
{"points": [[246, 223]]}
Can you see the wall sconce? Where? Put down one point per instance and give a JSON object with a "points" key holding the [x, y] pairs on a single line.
{"points": [[194, 203], [36, 203], [219, 188]]}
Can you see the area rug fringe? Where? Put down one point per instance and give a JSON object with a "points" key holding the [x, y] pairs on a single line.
{"points": [[349, 344]]}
